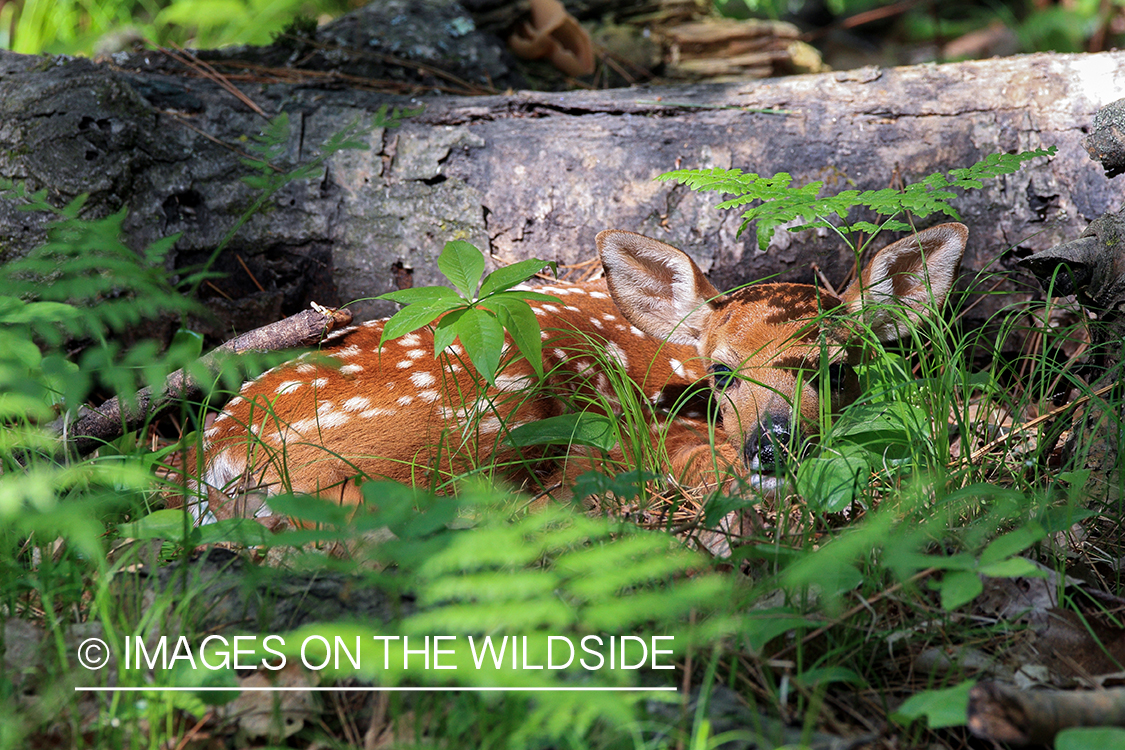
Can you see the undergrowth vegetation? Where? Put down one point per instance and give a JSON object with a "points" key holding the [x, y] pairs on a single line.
{"points": [[938, 474]]}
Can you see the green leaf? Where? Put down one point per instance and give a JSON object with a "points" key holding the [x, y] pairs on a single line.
{"points": [[463, 265], [1013, 567], [413, 317], [1012, 543], [1090, 738], [831, 482], [418, 294], [521, 324], [582, 428], [160, 524], [959, 587], [483, 340], [941, 708], [517, 273]]}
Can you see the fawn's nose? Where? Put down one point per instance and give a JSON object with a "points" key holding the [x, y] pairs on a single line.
{"points": [[768, 445]]}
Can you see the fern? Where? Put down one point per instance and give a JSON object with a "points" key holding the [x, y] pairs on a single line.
{"points": [[778, 203]]}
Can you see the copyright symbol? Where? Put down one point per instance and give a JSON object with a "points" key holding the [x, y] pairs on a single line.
{"points": [[93, 653]]}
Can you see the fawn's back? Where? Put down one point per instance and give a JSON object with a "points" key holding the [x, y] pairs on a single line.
{"points": [[399, 412]]}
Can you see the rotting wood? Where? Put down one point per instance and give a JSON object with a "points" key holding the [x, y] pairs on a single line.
{"points": [[1033, 717]]}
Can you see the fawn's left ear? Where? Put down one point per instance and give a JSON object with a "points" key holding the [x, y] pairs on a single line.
{"points": [[657, 287], [916, 272]]}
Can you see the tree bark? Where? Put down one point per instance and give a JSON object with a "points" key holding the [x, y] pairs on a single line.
{"points": [[537, 174]]}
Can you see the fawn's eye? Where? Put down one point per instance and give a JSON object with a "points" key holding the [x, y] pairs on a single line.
{"points": [[838, 374], [723, 375]]}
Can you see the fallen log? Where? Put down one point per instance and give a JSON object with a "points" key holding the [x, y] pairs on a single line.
{"points": [[532, 173]]}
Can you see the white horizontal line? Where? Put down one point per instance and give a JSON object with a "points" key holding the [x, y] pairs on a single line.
{"points": [[260, 689]]}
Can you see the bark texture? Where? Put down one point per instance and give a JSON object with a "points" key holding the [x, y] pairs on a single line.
{"points": [[536, 173]]}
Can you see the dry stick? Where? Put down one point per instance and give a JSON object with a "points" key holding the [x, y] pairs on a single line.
{"points": [[1022, 429], [854, 611], [1005, 714], [113, 419]]}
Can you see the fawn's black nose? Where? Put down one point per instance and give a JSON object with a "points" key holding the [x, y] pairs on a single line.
{"points": [[768, 445]]}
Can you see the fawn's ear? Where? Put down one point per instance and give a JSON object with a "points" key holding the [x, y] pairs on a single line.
{"points": [[658, 288], [916, 272]]}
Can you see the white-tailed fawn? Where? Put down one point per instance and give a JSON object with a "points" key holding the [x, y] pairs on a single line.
{"points": [[654, 325]]}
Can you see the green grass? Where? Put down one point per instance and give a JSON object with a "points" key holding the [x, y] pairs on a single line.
{"points": [[949, 471]]}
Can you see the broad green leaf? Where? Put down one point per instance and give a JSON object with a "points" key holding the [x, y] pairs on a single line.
{"points": [[1090, 738], [582, 428], [1013, 567], [245, 532], [522, 325], [482, 337], [831, 482], [445, 332], [413, 317], [160, 524], [959, 587], [1012, 543], [418, 294], [941, 708], [463, 265], [509, 276]]}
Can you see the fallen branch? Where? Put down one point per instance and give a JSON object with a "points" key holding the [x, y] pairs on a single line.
{"points": [[111, 420], [1005, 714]]}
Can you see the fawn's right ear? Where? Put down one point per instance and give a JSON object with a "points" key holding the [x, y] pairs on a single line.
{"points": [[658, 288], [915, 273]]}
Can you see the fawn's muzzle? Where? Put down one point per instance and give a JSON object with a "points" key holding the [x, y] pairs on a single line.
{"points": [[769, 445]]}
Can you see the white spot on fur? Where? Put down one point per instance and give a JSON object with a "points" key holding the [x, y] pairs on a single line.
{"points": [[410, 339], [351, 369], [577, 290], [572, 308], [559, 353], [422, 379], [305, 368], [377, 411], [599, 295], [597, 323], [372, 323], [405, 364], [609, 316], [677, 367], [491, 424], [320, 383], [513, 382], [453, 350], [539, 311], [618, 354], [247, 386], [405, 400], [390, 386], [356, 403], [429, 396], [416, 353], [551, 308], [636, 331]]}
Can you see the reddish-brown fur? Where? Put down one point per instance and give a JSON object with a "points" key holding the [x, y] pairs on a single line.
{"points": [[400, 413]]}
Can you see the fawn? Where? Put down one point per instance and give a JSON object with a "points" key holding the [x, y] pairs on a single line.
{"points": [[399, 412]]}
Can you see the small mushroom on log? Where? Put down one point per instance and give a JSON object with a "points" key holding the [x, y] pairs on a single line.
{"points": [[556, 35]]}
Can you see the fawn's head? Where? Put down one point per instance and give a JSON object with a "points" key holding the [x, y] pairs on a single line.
{"points": [[767, 346]]}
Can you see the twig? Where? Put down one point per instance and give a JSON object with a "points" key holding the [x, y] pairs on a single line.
{"points": [[981, 452], [854, 611], [94, 427]]}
